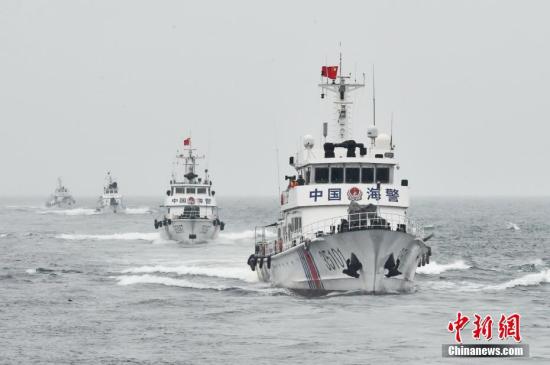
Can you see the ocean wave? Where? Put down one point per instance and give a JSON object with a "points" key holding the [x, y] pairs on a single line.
{"points": [[537, 262], [246, 234], [237, 235], [512, 226], [140, 210], [75, 211], [23, 207], [241, 273], [134, 236], [162, 280], [433, 268], [40, 270], [534, 279]]}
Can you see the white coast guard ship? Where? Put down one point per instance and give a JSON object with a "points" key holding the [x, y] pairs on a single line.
{"points": [[343, 222], [61, 198], [111, 199], [191, 213]]}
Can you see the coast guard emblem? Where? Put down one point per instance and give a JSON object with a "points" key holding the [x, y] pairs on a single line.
{"points": [[355, 194], [191, 200]]}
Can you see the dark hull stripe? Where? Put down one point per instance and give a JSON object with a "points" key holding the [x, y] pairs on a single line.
{"points": [[314, 271], [306, 268], [310, 269]]}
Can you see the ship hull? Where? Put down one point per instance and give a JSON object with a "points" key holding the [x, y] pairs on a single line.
{"points": [[388, 263], [110, 209], [191, 230], [63, 204]]}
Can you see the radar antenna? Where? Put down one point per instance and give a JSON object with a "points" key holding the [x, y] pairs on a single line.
{"points": [[373, 99]]}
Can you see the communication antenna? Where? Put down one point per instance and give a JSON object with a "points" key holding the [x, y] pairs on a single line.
{"points": [[373, 99], [391, 132], [278, 174]]}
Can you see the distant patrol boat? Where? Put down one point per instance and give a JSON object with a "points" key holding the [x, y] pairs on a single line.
{"points": [[61, 198], [111, 199], [191, 212], [343, 222]]}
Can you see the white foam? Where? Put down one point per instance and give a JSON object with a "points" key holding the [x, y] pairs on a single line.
{"points": [[75, 211], [161, 280], [153, 236], [537, 262], [4, 235], [247, 234], [30, 271], [242, 272], [433, 268], [237, 235], [140, 210], [512, 226], [527, 280], [23, 206]]}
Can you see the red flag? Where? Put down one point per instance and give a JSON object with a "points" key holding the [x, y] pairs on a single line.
{"points": [[187, 141], [329, 71]]}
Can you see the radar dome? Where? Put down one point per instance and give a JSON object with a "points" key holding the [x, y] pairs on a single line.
{"points": [[372, 132], [309, 142], [383, 141]]}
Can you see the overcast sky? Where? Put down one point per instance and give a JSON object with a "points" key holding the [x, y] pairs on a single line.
{"points": [[91, 86]]}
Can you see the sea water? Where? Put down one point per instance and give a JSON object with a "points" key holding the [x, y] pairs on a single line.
{"points": [[81, 287]]}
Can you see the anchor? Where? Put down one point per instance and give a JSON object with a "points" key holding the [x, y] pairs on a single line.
{"points": [[353, 265], [392, 265]]}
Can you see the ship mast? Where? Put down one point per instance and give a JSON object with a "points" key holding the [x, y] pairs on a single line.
{"points": [[189, 160], [340, 87]]}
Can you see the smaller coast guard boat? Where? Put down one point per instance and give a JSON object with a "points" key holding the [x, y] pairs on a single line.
{"points": [[191, 213], [111, 199], [61, 198]]}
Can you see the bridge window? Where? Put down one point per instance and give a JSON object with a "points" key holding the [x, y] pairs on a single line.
{"points": [[308, 176], [367, 175], [190, 190], [201, 190], [180, 190], [191, 211], [321, 175], [352, 175], [337, 175], [383, 175]]}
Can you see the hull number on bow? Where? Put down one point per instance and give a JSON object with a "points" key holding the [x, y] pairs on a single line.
{"points": [[333, 258]]}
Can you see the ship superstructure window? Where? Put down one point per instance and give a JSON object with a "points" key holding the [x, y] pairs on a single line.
{"points": [[321, 175], [180, 190], [367, 175], [337, 175], [201, 190], [191, 211], [296, 224], [352, 175], [383, 175], [191, 190], [308, 175]]}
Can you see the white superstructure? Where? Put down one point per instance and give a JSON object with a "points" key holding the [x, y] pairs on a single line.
{"points": [[61, 198], [343, 221], [191, 212], [111, 199]]}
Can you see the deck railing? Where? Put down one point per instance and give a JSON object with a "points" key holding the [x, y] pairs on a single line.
{"points": [[268, 243]]}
